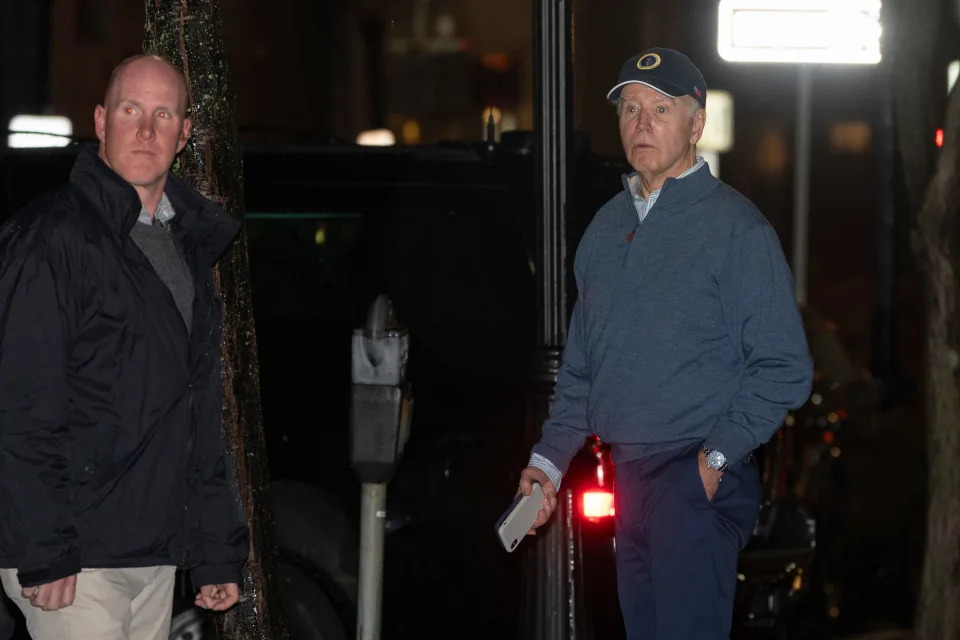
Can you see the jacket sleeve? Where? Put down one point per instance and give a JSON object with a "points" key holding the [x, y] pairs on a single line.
{"points": [[226, 538], [35, 482], [225, 535], [566, 429], [764, 324]]}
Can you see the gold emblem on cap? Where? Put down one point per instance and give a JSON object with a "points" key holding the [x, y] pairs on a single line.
{"points": [[646, 66]]}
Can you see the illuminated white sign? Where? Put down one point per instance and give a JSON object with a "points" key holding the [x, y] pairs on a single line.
{"points": [[816, 31], [39, 131]]}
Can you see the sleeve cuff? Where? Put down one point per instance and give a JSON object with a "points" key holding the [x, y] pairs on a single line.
{"points": [[538, 461], [225, 573], [732, 440], [62, 567]]}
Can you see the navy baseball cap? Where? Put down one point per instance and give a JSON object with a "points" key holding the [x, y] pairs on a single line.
{"points": [[668, 71]]}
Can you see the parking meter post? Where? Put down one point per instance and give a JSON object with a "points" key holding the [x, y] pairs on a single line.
{"points": [[373, 511], [380, 413]]}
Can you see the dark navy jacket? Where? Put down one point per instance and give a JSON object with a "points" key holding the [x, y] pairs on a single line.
{"points": [[111, 451]]}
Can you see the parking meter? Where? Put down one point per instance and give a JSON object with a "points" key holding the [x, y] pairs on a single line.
{"points": [[380, 412], [381, 404]]}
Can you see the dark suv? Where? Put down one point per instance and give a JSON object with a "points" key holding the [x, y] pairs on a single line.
{"points": [[447, 232]]}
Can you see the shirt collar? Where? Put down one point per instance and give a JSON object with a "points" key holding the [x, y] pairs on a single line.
{"points": [[165, 212], [638, 194]]}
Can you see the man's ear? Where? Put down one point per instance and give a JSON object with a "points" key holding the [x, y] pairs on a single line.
{"points": [[184, 134], [699, 121], [100, 122]]}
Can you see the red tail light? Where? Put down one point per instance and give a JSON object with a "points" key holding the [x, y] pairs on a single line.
{"points": [[598, 504]]}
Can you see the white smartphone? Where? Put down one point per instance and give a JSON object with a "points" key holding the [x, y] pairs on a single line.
{"points": [[516, 521]]}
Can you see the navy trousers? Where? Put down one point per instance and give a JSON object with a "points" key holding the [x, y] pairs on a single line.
{"points": [[676, 550]]}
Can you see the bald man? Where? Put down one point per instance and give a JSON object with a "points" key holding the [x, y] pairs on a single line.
{"points": [[112, 462]]}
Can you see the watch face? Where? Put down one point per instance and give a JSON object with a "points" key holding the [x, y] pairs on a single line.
{"points": [[715, 459]]}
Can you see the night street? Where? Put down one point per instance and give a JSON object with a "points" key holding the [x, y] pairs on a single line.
{"points": [[411, 256]]}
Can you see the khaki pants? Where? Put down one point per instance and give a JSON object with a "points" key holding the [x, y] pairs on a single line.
{"points": [[111, 604]]}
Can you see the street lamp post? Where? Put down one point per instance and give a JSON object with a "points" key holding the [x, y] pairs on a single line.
{"points": [[800, 32]]}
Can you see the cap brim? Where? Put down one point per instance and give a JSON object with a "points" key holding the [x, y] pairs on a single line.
{"points": [[614, 93]]}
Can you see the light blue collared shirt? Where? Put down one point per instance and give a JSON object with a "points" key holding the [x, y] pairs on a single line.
{"points": [[165, 212], [644, 206]]}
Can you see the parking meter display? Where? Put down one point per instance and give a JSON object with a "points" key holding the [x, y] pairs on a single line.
{"points": [[513, 525]]}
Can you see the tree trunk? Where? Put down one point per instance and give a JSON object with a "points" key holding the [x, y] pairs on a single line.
{"points": [[188, 33], [936, 243], [911, 30]]}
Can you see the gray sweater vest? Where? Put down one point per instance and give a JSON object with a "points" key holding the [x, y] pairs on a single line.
{"points": [[157, 243]]}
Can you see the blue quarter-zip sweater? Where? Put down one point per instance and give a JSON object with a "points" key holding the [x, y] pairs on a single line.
{"points": [[685, 331]]}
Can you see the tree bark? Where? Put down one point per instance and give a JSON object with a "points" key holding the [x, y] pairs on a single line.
{"points": [[911, 31], [909, 28], [188, 33], [936, 243]]}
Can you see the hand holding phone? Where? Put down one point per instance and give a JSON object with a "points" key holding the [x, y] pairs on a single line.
{"points": [[519, 517]]}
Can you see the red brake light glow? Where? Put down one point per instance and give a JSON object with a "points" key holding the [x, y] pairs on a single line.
{"points": [[598, 504]]}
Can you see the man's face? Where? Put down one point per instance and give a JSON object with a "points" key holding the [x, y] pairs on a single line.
{"points": [[657, 132], [142, 127]]}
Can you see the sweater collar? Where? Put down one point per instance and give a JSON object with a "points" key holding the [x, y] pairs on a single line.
{"points": [[691, 186]]}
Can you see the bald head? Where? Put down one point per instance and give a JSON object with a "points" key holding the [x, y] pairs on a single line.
{"points": [[142, 124], [139, 63]]}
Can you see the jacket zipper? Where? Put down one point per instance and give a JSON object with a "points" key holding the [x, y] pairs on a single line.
{"points": [[629, 241]]}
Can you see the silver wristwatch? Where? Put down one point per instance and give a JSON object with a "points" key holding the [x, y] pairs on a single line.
{"points": [[715, 460]]}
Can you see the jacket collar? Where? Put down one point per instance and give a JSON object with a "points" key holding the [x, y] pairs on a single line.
{"points": [[204, 227]]}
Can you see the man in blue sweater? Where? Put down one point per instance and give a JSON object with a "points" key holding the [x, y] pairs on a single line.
{"points": [[684, 352]]}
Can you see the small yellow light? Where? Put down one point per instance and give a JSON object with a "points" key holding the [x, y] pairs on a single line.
{"points": [[410, 132], [835, 451], [832, 417], [834, 612], [320, 237], [497, 115], [789, 420], [816, 398], [797, 582]]}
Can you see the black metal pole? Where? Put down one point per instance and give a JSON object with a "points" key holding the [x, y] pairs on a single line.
{"points": [[884, 363], [552, 600], [554, 134]]}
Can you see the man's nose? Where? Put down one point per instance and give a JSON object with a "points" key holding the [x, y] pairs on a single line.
{"points": [[643, 119], [146, 130]]}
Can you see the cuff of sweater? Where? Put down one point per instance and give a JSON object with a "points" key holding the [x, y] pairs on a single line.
{"points": [[538, 461], [732, 440]]}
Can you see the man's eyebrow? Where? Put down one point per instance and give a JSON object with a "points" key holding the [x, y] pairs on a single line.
{"points": [[140, 106]]}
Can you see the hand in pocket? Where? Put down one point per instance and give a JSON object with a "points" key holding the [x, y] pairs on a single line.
{"points": [[709, 477]]}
